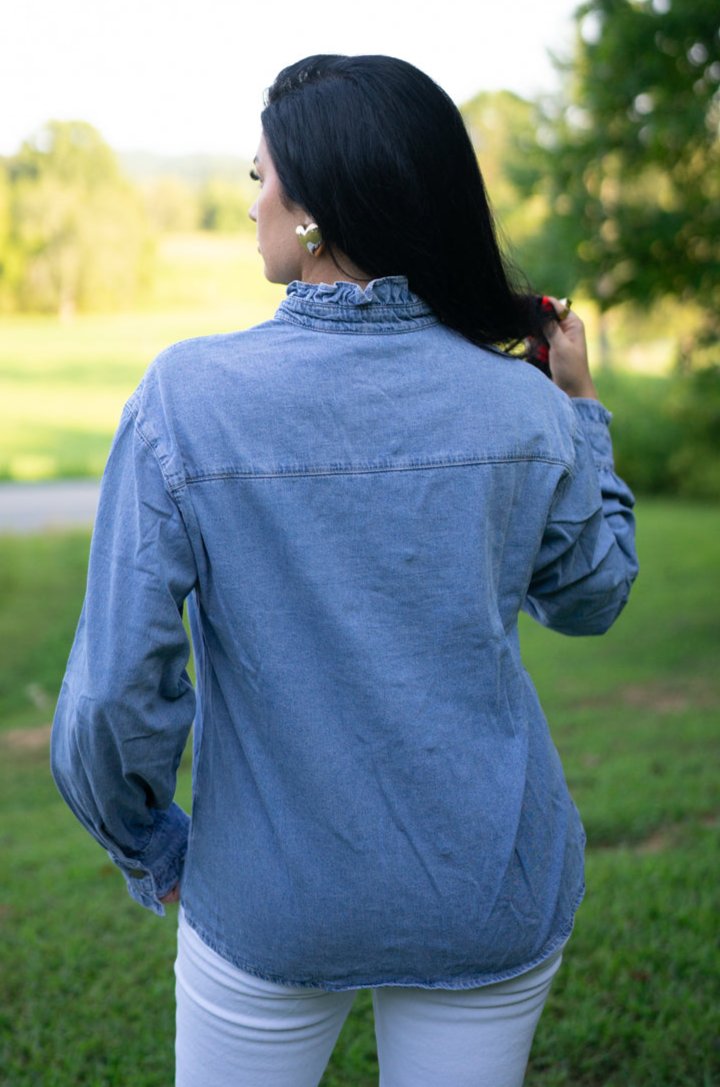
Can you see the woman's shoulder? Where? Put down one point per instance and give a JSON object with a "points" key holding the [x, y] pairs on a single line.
{"points": [[199, 350], [191, 375]]}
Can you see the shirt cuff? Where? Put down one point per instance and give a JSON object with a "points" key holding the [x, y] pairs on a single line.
{"points": [[151, 874], [595, 421]]}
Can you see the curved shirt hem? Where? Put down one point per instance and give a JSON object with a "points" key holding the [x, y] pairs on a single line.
{"points": [[476, 981]]}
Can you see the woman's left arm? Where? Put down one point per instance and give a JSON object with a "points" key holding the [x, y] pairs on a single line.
{"points": [[126, 704], [587, 560]]}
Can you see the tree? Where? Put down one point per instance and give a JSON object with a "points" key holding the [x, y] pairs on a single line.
{"points": [[78, 236], [496, 121], [5, 259], [629, 159], [224, 205], [171, 204]]}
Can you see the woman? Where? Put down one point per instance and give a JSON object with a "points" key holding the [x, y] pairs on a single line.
{"points": [[356, 499]]}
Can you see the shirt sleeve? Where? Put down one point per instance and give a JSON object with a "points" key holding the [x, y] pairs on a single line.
{"points": [[127, 704], [587, 562]]}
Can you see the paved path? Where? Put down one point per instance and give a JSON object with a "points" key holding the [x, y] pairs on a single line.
{"points": [[33, 507]]}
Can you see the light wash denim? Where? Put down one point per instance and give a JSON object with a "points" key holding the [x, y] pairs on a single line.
{"points": [[356, 503]]}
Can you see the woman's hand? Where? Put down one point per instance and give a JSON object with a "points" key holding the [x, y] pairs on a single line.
{"points": [[568, 354]]}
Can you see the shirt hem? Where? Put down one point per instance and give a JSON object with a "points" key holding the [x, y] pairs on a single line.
{"points": [[475, 981]]}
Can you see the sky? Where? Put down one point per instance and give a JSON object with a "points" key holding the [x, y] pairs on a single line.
{"points": [[183, 76]]}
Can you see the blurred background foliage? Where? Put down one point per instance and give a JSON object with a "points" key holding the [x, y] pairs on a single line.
{"points": [[608, 192]]}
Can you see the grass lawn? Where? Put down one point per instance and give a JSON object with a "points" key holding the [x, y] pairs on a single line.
{"points": [[86, 976]]}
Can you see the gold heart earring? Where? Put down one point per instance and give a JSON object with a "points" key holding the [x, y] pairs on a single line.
{"points": [[310, 238]]}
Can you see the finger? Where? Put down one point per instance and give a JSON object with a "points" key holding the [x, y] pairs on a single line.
{"points": [[561, 306], [553, 331]]}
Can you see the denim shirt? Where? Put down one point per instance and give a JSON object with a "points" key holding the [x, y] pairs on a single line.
{"points": [[355, 502]]}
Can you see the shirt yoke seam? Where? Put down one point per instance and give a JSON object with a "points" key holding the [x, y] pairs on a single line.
{"points": [[352, 470]]}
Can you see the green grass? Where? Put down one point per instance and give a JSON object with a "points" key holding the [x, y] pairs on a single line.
{"points": [[42, 581], [86, 976]]}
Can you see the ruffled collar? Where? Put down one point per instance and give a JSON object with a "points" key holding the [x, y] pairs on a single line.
{"points": [[385, 304]]}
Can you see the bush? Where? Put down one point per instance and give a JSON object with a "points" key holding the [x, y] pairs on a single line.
{"points": [[645, 433], [666, 431], [695, 465]]}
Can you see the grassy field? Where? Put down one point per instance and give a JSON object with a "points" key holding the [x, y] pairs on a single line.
{"points": [[86, 976], [63, 385]]}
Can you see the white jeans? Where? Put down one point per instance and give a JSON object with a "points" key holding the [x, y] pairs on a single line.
{"points": [[236, 1030]]}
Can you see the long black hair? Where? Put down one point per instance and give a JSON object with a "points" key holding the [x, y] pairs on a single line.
{"points": [[378, 154]]}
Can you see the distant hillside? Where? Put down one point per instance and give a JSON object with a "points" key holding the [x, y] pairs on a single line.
{"points": [[196, 170]]}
